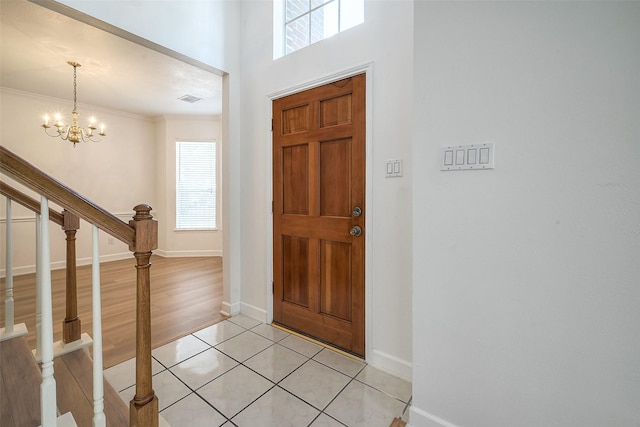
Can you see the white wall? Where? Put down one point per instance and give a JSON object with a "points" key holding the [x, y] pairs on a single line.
{"points": [[113, 173], [526, 277], [194, 28], [385, 40], [184, 242]]}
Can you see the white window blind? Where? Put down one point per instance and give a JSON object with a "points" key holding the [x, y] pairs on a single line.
{"points": [[195, 185]]}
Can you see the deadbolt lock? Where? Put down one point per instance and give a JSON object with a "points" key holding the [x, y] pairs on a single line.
{"points": [[356, 211]]}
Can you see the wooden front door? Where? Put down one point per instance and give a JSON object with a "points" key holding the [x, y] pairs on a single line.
{"points": [[319, 204]]}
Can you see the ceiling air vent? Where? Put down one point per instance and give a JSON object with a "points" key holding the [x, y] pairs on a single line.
{"points": [[190, 99]]}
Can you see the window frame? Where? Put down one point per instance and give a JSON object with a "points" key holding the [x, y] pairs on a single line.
{"points": [[216, 180], [281, 23]]}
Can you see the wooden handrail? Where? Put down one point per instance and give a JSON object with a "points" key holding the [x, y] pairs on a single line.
{"points": [[141, 235], [33, 178], [28, 202]]}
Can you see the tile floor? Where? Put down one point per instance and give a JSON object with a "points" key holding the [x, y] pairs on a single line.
{"points": [[241, 372]]}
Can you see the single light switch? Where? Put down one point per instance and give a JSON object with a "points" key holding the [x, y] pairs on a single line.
{"points": [[471, 156], [459, 157], [484, 156], [448, 158]]}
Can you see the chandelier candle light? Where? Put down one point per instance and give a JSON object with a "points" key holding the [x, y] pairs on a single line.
{"points": [[73, 132]]}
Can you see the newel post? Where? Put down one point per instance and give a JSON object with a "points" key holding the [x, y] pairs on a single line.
{"points": [[71, 328], [143, 408]]}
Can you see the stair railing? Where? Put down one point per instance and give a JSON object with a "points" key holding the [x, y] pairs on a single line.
{"points": [[70, 223], [141, 235]]}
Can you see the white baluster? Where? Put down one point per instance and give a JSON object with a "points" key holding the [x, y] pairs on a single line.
{"points": [[99, 419], [39, 269], [8, 303], [10, 329], [48, 386]]}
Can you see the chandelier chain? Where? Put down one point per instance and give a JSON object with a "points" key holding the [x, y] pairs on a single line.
{"points": [[75, 86]]}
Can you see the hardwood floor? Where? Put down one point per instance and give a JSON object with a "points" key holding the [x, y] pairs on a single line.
{"points": [[186, 295]]}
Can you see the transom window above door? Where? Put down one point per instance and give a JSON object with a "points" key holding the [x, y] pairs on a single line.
{"points": [[300, 23]]}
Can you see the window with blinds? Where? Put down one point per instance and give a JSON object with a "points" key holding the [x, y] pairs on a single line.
{"points": [[195, 185]]}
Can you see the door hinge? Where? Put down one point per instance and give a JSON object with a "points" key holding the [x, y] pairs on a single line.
{"points": [[273, 288], [272, 205], [271, 125]]}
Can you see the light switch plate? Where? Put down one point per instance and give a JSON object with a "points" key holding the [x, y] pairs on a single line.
{"points": [[393, 168], [467, 157]]}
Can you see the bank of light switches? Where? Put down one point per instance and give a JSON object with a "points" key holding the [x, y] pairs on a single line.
{"points": [[467, 157]]}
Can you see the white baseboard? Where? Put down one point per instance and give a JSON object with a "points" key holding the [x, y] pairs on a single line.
{"points": [[253, 312], [187, 254], [60, 265], [229, 309], [420, 418], [391, 364]]}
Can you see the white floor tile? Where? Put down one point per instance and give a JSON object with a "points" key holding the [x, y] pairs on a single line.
{"points": [[315, 383], [300, 345], [203, 367], [243, 346], [325, 421], [250, 399], [192, 412], [244, 321], [219, 332], [406, 417], [276, 362], [362, 406], [277, 408], [233, 391], [127, 394], [123, 375], [179, 350], [167, 388], [268, 331], [385, 382], [337, 361]]}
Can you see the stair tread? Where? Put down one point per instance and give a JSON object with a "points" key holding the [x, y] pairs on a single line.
{"points": [[75, 391], [20, 380]]}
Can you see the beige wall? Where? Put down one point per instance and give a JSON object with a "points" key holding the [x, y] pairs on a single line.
{"points": [[129, 167], [170, 130]]}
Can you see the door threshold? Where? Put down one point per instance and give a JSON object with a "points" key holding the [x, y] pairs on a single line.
{"points": [[320, 343]]}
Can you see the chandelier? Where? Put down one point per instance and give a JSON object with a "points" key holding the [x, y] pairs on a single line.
{"points": [[73, 132]]}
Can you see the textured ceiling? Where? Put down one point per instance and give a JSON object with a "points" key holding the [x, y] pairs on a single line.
{"points": [[36, 43]]}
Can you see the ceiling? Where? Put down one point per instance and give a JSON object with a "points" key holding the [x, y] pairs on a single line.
{"points": [[115, 73]]}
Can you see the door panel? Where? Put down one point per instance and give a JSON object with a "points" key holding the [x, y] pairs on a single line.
{"points": [[318, 179], [295, 280], [295, 179], [335, 279], [335, 178]]}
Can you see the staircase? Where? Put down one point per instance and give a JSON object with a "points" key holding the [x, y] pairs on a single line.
{"points": [[60, 378], [20, 379]]}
